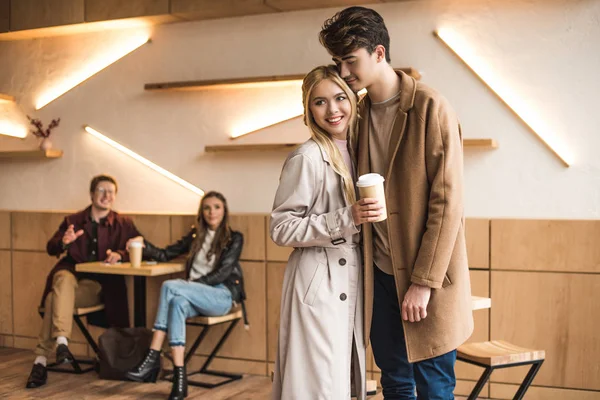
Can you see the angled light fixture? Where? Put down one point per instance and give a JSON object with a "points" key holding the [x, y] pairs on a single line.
{"points": [[280, 114], [143, 160], [95, 65], [9, 128], [516, 103]]}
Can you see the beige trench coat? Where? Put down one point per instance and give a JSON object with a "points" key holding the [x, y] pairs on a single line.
{"points": [[424, 198], [315, 343]]}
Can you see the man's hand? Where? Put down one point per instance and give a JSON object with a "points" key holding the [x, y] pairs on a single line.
{"points": [[366, 210], [112, 257], [70, 235], [414, 306]]}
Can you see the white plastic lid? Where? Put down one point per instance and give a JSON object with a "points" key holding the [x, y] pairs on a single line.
{"points": [[135, 244], [369, 180]]}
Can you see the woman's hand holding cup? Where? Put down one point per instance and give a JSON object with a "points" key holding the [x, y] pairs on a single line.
{"points": [[366, 210]]}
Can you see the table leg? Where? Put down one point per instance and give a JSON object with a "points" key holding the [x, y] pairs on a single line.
{"points": [[139, 301]]}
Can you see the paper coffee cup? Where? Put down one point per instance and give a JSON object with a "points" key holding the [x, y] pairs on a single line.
{"points": [[371, 186], [135, 254]]}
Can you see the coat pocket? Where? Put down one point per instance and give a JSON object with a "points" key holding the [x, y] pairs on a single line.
{"points": [[315, 283]]}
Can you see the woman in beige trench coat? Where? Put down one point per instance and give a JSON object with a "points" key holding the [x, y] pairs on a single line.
{"points": [[315, 211]]}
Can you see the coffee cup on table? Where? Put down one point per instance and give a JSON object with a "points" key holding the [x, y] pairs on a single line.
{"points": [[135, 253], [371, 186]]}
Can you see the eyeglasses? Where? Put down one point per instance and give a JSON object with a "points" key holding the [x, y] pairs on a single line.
{"points": [[102, 192]]}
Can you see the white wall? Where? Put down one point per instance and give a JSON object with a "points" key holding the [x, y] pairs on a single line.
{"points": [[548, 51]]}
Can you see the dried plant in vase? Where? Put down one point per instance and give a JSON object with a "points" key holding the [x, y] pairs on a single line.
{"points": [[44, 134]]}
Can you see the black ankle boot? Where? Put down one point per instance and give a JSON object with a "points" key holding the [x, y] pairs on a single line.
{"points": [[180, 387], [147, 370]]}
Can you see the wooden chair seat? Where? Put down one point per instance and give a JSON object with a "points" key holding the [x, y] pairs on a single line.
{"points": [[80, 311], [208, 321], [498, 352]]}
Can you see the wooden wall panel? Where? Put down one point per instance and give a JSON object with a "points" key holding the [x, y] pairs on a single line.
{"points": [[155, 228], [6, 304], [230, 365], [4, 230], [181, 225], [480, 286], [251, 344], [275, 272], [4, 15], [274, 252], [506, 391], [7, 341], [32, 230], [252, 227], [207, 9], [31, 14], [552, 312], [546, 245], [29, 279], [291, 5], [102, 10], [478, 242], [464, 388]]}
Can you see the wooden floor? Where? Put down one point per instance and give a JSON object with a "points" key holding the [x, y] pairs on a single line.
{"points": [[15, 365]]}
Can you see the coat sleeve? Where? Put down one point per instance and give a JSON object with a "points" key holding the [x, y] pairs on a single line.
{"points": [[130, 231], [291, 224], [444, 163], [227, 262], [55, 246], [182, 246]]}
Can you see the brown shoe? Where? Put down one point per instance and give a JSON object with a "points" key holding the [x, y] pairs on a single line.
{"points": [[63, 355], [37, 377]]}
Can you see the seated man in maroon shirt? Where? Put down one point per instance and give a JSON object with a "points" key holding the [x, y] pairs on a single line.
{"points": [[96, 233]]}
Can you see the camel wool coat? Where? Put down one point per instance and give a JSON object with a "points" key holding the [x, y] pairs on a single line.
{"points": [[426, 229], [322, 287]]}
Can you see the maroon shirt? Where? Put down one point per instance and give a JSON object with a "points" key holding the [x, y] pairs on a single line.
{"points": [[113, 232]]}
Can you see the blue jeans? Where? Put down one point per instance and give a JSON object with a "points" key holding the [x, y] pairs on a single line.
{"points": [[434, 378], [181, 299]]}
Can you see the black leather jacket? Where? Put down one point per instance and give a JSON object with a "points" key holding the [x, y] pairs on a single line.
{"points": [[227, 269]]}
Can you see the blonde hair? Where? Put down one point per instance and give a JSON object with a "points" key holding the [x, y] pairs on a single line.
{"points": [[319, 135]]}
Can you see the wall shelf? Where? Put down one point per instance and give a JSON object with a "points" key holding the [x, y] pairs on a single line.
{"points": [[242, 82], [480, 143], [31, 154], [230, 148], [6, 97]]}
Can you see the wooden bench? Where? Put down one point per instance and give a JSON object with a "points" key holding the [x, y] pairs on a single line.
{"points": [[497, 354], [208, 322], [77, 314]]}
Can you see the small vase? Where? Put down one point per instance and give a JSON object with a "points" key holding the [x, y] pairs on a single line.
{"points": [[45, 144]]}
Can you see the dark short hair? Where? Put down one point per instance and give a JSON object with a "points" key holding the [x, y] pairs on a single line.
{"points": [[102, 178], [354, 28]]}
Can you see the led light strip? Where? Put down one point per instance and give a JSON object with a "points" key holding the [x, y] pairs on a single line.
{"points": [[517, 104], [126, 46], [144, 161]]}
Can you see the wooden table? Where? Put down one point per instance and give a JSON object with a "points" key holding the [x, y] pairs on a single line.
{"points": [[139, 280]]}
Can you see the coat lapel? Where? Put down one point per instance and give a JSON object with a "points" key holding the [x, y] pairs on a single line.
{"points": [[408, 89]]}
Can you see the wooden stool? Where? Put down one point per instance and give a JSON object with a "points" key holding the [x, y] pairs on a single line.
{"points": [[500, 354], [207, 322], [77, 314]]}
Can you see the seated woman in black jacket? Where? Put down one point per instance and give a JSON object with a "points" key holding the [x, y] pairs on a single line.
{"points": [[213, 282]]}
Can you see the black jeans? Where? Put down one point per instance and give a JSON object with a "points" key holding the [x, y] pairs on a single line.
{"points": [[433, 379]]}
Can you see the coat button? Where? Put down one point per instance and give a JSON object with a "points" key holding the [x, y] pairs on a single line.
{"points": [[342, 261], [343, 296]]}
